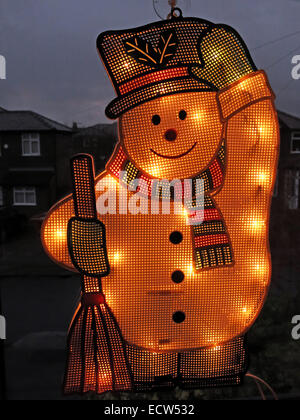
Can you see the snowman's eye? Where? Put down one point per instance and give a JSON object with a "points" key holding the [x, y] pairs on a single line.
{"points": [[156, 119], [182, 115]]}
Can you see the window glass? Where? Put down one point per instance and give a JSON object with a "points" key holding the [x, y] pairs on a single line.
{"points": [[25, 196], [31, 144]]}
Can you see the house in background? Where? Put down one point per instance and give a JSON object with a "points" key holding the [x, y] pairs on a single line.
{"points": [[285, 215], [289, 163], [33, 155]]}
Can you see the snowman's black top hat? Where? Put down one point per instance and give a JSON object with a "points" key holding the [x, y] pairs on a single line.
{"points": [[169, 57]]}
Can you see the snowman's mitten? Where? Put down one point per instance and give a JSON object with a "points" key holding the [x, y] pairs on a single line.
{"points": [[226, 64], [87, 246]]}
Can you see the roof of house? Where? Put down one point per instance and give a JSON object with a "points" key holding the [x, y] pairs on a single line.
{"points": [[28, 121], [98, 130], [290, 121]]}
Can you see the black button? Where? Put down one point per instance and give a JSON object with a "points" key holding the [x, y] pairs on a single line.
{"points": [[178, 276], [179, 317], [182, 115], [176, 238]]}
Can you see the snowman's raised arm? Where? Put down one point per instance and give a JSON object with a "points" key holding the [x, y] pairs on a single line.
{"points": [[252, 136]]}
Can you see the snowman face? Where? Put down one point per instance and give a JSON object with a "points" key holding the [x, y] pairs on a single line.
{"points": [[173, 137]]}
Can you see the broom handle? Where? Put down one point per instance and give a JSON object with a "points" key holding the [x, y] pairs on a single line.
{"points": [[83, 179]]}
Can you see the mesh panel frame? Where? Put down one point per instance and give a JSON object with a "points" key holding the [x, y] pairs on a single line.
{"points": [[131, 342]]}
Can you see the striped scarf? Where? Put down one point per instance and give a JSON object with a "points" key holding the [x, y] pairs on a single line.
{"points": [[211, 241]]}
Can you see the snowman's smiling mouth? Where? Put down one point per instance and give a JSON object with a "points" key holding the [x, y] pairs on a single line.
{"points": [[174, 157]]}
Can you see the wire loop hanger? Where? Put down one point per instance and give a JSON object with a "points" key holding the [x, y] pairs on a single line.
{"points": [[175, 12]]}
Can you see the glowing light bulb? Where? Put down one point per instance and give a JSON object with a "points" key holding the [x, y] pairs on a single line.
{"points": [[155, 171], [60, 234], [185, 213], [243, 85], [216, 348], [198, 116], [264, 131], [109, 298], [262, 177], [246, 311], [117, 256], [256, 225], [258, 267], [191, 269], [261, 270]]}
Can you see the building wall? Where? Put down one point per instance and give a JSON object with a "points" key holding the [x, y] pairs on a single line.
{"points": [[285, 222], [44, 200], [64, 151], [12, 156], [29, 173]]}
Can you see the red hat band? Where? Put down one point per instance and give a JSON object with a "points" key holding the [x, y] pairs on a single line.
{"points": [[154, 77]]}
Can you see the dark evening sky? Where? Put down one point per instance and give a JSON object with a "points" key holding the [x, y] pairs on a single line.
{"points": [[53, 67]]}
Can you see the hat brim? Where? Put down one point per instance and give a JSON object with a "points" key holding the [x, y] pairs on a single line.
{"points": [[137, 97]]}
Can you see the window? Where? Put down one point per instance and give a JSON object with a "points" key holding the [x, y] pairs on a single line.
{"points": [[1, 196], [295, 142], [292, 180], [31, 144], [24, 196]]}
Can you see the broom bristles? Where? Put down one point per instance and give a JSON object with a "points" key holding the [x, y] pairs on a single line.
{"points": [[97, 360]]}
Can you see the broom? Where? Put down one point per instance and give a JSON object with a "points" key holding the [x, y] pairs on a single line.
{"points": [[97, 360]]}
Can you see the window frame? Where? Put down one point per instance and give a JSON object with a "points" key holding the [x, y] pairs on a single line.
{"points": [[295, 135], [24, 190], [31, 138]]}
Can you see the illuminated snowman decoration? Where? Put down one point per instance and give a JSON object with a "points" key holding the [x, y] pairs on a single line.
{"points": [[168, 298]]}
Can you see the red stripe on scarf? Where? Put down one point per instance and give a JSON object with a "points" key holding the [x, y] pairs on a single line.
{"points": [[211, 214], [149, 183], [216, 174], [117, 163], [207, 240]]}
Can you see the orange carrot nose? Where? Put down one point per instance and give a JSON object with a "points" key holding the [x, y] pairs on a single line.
{"points": [[171, 135]]}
